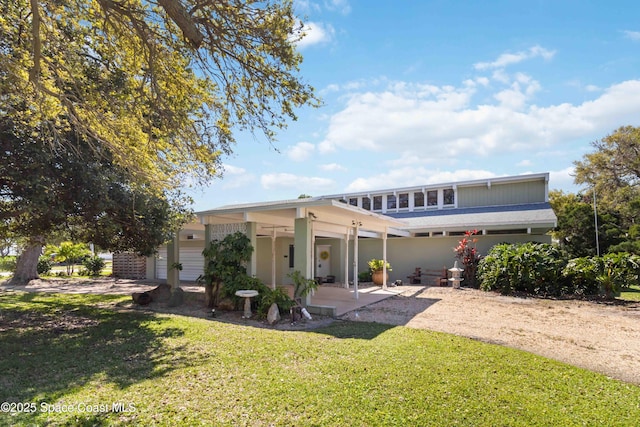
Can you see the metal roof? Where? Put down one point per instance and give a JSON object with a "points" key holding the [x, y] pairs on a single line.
{"points": [[533, 215]]}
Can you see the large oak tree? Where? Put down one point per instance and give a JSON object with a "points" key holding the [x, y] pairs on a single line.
{"points": [[78, 194], [154, 88], [161, 84]]}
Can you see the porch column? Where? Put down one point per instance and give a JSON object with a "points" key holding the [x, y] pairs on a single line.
{"points": [[303, 243], [384, 258], [252, 268], [314, 263], [355, 258], [273, 259], [345, 282], [173, 259]]}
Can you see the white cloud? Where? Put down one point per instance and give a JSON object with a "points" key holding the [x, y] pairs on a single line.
{"points": [[513, 58], [347, 87], [563, 179], [524, 162], [520, 91], [303, 184], [410, 176], [632, 35], [233, 170], [306, 6], [314, 33], [443, 122], [303, 7], [236, 177], [342, 6], [373, 120], [333, 167], [301, 151]]}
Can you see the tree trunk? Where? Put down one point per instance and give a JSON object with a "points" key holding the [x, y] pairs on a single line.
{"points": [[27, 264], [211, 291]]}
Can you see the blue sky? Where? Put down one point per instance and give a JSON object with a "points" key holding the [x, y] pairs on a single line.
{"points": [[421, 92]]}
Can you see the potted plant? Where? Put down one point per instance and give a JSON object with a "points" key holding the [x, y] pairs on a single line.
{"points": [[377, 267]]}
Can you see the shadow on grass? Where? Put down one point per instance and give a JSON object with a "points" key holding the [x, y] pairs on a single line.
{"points": [[346, 329], [52, 344]]}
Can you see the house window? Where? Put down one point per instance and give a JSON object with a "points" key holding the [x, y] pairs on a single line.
{"points": [[448, 196], [432, 198], [403, 200], [377, 203], [391, 201], [366, 203], [291, 252], [418, 200], [513, 231], [353, 201]]}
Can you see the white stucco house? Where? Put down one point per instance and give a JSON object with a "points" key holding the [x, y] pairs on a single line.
{"points": [[333, 236]]}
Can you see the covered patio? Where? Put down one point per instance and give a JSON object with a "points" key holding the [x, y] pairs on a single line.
{"points": [[335, 301], [292, 235]]}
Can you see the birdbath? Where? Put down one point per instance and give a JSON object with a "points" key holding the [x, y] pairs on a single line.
{"points": [[247, 295], [455, 275]]}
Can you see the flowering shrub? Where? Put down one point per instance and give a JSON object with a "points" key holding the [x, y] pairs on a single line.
{"points": [[467, 253]]}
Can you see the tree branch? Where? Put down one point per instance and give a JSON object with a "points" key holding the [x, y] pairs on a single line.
{"points": [[182, 19], [34, 73]]}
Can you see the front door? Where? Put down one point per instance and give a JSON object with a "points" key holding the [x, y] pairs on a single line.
{"points": [[323, 260]]}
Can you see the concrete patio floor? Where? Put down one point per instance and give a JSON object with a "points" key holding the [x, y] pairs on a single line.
{"points": [[344, 300]]}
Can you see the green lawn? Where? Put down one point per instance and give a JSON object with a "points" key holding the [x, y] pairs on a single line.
{"points": [[631, 294], [78, 351]]}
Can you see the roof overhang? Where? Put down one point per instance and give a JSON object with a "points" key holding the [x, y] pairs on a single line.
{"points": [[331, 218], [513, 219]]}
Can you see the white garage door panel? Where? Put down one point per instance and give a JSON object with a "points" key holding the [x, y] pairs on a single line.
{"points": [[192, 263], [161, 263], [191, 259]]}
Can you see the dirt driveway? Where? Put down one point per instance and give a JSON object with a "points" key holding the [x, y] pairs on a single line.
{"points": [[601, 337], [597, 336]]}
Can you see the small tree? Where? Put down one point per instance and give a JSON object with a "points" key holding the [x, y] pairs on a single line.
{"points": [[93, 265], [302, 286], [225, 266], [69, 253], [467, 253]]}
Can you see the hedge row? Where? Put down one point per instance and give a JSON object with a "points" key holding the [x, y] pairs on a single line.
{"points": [[540, 269]]}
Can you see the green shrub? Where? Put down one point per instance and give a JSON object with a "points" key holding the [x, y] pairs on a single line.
{"points": [[580, 276], [44, 265], [278, 296], [606, 275], [364, 276], [8, 263], [93, 265], [534, 268]]}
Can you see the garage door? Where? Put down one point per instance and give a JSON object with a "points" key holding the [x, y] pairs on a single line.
{"points": [[191, 259]]}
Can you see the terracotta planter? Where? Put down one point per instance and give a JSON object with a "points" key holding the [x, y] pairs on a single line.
{"points": [[376, 277]]}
